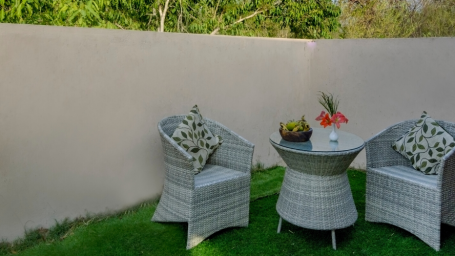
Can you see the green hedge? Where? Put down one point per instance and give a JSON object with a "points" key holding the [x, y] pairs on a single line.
{"points": [[127, 14], [284, 18]]}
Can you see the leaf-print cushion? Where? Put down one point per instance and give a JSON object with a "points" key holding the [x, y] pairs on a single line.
{"points": [[193, 135], [425, 144]]}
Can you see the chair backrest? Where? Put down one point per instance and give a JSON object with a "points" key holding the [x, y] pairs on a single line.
{"points": [[379, 148], [402, 127], [448, 126], [230, 139], [169, 124]]}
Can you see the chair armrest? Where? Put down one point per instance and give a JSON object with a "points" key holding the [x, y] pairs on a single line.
{"points": [[447, 183], [379, 151], [235, 152], [178, 163]]}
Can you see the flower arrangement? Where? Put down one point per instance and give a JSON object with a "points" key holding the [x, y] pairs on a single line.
{"points": [[333, 116]]}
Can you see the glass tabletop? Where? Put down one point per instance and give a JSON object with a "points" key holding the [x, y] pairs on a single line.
{"points": [[320, 142]]}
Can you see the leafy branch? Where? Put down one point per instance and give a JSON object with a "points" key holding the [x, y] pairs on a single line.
{"points": [[163, 15], [238, 21], [329, 102]]}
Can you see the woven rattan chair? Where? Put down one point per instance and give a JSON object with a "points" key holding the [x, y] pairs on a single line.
{"points": [[399, 195], [214, 199]]}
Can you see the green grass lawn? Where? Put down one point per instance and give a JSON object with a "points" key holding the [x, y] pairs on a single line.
{"points": [[132, 232]]}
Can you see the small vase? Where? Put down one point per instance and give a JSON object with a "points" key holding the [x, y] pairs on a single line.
{"points": [[333, 135], [333, 145]]}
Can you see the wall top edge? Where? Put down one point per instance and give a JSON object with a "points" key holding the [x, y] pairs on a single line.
{"points": [[9, 28], [384, 39]]}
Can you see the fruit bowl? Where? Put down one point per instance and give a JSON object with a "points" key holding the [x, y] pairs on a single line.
{"points": [[299, 136]]}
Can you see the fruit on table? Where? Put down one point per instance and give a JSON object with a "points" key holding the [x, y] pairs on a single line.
{"points": [[300, 125], [291, 125]]}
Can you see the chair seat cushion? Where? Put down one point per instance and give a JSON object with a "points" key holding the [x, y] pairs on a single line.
{"points": [[212, 174], [409, 174]]}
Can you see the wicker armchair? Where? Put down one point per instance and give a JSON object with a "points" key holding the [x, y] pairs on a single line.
{"points": [[214, 199], [399, 195]]}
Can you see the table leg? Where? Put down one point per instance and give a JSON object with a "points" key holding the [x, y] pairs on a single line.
{"points": [[279, 225], [334, 242]]}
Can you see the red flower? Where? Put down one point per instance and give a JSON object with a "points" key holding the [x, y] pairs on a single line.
{"points": [[338, 118], [325, 121], [343, 119], [321, 116]]}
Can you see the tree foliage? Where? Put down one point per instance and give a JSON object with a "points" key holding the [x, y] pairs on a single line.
{"points": [[437, 19], [128, 14], [308, 19], [284, 18], [394, 18]]}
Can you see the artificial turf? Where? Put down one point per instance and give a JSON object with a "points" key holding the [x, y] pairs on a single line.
{"points": [[132, 233]]}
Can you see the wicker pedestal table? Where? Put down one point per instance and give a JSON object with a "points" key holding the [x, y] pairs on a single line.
{"points": [[315, 193]]}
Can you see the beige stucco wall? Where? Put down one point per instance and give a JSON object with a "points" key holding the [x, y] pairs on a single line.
{"points": [[79, 107], [382, 81]]}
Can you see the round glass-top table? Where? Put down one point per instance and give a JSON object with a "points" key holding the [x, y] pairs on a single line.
{"points": [[319, 141], [315, 193]]}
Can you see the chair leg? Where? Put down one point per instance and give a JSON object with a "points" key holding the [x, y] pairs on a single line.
{"points": [[173, 208], [385, 205], [218, 206], [193, 237], [279, 225], [165, 212], [199, 231]]}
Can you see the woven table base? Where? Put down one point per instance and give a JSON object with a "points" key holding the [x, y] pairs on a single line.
{"points": [[316, 202], [316, 193]]}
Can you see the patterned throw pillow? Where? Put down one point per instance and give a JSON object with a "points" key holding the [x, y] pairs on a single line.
{"points": [[425, 144], [193, 135]]}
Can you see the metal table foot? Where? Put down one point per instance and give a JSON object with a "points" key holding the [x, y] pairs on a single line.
{"points": [[334, 242], [279, 225]]}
